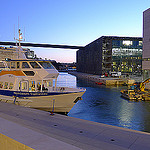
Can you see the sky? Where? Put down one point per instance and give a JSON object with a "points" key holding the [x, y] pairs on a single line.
{"points": [[70, 22]]}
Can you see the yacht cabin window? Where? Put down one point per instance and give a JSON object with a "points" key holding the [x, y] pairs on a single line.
{"points": [[12, 64], [44, 85], [34, 65], [31, 86], [46, 65], [11, 85], [24, 85], [18, 64], [29, 73], [2, 65], [39, 85], [6, 85], [1, 84], [49, 83], [8, 64], [25, 65]]}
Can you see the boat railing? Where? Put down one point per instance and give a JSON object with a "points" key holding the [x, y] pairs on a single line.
{"points": [[4, 69], [59, 89], [64, 89]]}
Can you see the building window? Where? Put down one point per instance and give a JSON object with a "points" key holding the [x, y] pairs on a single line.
{"points": [[127, 43], [140, 43]]}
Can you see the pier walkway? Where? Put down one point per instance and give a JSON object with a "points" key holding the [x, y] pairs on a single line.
{"points": [[39, 130]]}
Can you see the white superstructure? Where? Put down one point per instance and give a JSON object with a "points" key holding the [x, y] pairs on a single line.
{"points": [[32, 83]]}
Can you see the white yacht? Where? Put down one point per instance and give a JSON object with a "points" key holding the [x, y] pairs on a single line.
{"points": [[32, 83]]}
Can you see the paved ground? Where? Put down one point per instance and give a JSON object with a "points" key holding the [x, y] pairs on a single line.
{"points": [[39, 130]]}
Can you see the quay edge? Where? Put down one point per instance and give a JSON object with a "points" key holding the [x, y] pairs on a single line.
{"points": [[105, 81], [38, 129]]}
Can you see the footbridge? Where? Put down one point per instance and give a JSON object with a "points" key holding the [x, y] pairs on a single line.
{"points": [[42, 45]]}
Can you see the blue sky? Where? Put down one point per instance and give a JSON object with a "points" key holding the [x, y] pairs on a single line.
{"points": [[70, 22]]}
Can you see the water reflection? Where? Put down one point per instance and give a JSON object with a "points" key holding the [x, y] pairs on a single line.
{"points": [[104, 104]]}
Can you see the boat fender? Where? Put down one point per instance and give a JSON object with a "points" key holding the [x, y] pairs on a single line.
{"points": [[15, 97]]}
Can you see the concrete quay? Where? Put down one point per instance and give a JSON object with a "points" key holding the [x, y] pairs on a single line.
{"points": [[36, 129], [106, 81]]}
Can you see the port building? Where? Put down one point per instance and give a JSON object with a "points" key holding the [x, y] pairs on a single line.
{"points": [[111, 53], [146, 44]]}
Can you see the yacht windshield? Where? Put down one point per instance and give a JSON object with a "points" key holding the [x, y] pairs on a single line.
{"points": [[34, 65], [46, 65], [2, 65], [25, 65]]}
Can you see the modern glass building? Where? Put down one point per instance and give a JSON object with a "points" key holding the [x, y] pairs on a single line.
{"points": [[111, 53], [125, 55]]}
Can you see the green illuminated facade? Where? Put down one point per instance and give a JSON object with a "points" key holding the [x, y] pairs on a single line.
{"points": [[127, 56]]}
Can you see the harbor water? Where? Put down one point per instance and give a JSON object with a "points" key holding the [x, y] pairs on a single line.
{"points": [[105, 105]]}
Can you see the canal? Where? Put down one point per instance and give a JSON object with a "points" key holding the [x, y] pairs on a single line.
{"points": [[104, 105]]}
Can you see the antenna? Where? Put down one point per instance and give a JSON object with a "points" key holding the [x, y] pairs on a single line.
{"points": [[18, 23], [14, 32], [24, 33], [19, 50]]}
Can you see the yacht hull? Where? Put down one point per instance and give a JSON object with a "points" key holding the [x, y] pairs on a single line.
{"points": [[53, 102]]}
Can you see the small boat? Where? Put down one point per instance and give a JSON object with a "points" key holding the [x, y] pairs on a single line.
{"points": [[32, 83], [99, 83]]}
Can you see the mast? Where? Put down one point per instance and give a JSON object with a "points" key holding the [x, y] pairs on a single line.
{"points": [[20, 38], [18, 44]]}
